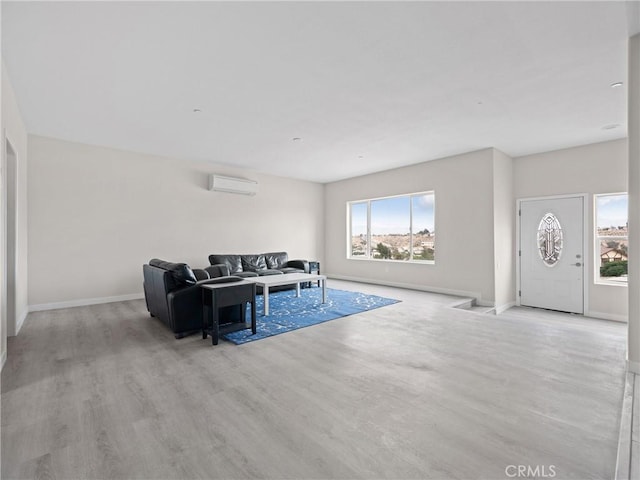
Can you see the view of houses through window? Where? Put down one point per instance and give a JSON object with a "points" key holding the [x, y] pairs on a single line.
{"points": [[611, 238], [393, 228]]}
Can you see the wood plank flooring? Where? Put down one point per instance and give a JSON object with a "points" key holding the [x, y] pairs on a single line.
{"points": [[412, 390]]}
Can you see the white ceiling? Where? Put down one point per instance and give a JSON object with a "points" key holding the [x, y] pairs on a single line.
{"points": [[368, 86]]}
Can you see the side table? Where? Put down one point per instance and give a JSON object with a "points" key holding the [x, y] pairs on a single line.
{"points": [[218, 295], [314, 268]]}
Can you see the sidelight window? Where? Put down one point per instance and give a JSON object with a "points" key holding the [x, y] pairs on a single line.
{"points": [[611, 238]]}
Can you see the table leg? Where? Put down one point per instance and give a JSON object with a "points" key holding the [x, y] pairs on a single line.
{"points": [[205, 314], [324, 291], [214, 324], [265, 292], [253, 315], [298, 289]]}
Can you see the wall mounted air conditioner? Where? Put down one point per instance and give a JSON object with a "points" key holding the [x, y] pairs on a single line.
{"points": [[218, 183]]}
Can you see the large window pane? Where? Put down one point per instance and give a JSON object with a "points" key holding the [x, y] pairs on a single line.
{"points": [[611, 214], [423, 224], [400, 228], [390, 228], [358, 229], [611, 238]]}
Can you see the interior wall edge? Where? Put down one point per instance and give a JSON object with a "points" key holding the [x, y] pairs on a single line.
{"points": [[623, 457], [633, 367], [504, 307], [20, 320]]}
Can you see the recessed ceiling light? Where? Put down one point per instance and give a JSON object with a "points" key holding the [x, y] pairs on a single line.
{"points": [[616, 84], [297, 139], [611, 127]]}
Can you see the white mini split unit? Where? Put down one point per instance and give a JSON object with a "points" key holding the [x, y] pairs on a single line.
{"points": [[242, 186]]}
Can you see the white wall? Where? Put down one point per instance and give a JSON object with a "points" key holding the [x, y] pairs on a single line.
{"points": [[633, 336], [96, 215], [592, 169], [475, 219], [503, 231], [15, 133], [463, 188]]}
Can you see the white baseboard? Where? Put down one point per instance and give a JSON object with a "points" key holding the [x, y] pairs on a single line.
{"points": [[20, 320], [633, 367], [624, 437], [411, 286], [484, 303], [84, 302], [504, 307], [607, 316]]}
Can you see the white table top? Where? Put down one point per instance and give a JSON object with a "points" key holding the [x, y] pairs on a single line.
{"points": [[285, 279], [213, 286]]}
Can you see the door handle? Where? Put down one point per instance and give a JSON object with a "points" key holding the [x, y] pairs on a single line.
{"points": [[576, 264]]}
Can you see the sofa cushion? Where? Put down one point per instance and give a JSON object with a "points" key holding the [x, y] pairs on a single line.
{"points": [[264, 273], [246, 274], [276, 260], [290, 270], [232, 261], [200, 274], [219, 270], [181, 272], [253, 263]]}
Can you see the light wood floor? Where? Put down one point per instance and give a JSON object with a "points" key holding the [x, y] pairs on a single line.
{"points": [[412, 390]]}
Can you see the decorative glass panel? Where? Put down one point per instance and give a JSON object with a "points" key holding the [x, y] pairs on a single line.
{"points": [[549, 239]]}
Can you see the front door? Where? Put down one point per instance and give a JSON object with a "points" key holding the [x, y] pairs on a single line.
{"points": [[551, 254]]}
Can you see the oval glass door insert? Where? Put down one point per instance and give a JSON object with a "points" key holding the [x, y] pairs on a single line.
{"points": [[549, 239]]}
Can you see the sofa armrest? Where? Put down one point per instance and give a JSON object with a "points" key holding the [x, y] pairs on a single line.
{"points": [[200, 274], [218, 270], [301, 264], [185, 309], [227, 279]]}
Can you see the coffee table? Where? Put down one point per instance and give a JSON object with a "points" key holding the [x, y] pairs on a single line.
{"points": [[269, 281]]}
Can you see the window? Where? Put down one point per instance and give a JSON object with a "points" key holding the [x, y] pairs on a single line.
{"points": [[359, 236], [393, 228], [611, 238]]}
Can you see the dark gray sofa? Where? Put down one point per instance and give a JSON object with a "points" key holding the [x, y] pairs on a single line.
{"points": [[259, 264], [173, 295], [254, 265]]}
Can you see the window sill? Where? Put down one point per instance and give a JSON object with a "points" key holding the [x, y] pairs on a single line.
{"points": [[401, 262], [611, 284]]}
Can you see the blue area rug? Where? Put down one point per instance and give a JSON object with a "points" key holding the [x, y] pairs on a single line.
{"points": [[288, 312]]}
